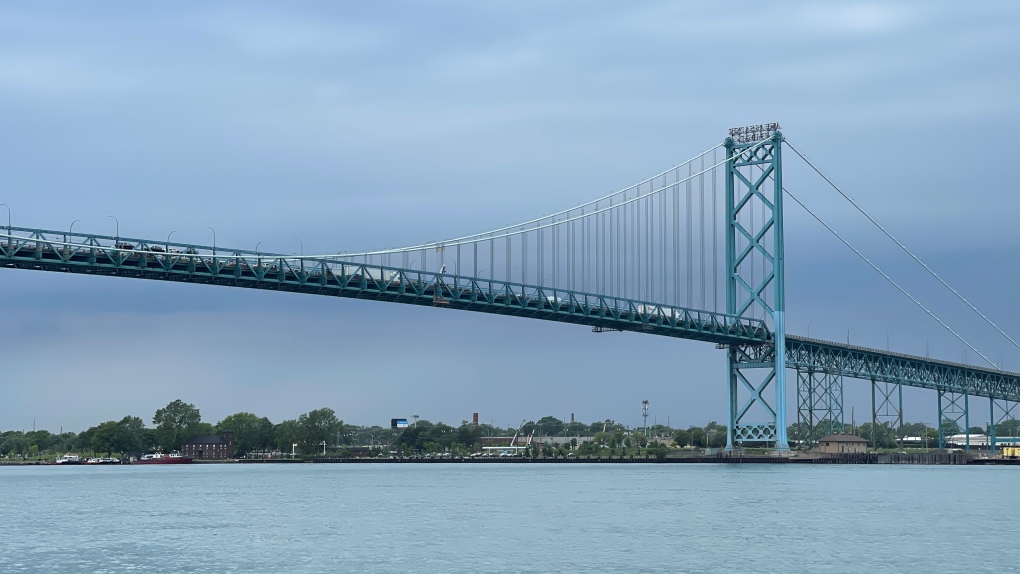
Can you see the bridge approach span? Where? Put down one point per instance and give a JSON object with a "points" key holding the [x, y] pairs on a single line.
{"points": [[804, 353]]}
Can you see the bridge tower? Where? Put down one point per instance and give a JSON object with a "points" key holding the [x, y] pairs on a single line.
{"points": [[755, 283]]}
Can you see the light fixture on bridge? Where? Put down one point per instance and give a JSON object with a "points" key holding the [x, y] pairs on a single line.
{"points": [[748, 134]]}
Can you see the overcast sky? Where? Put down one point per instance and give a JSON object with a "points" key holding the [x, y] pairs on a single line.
{"points": [[358, 125]]}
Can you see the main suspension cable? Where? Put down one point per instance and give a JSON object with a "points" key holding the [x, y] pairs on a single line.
{"points": [[890, 279], [519, 228], [902, 246]]}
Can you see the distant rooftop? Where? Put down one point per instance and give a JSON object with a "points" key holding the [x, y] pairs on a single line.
{"points": [[842, 438]]}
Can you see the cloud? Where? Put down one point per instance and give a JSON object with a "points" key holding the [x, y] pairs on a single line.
{"points": [[361, 125]]}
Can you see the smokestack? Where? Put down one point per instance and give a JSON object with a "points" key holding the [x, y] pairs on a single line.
{"points": [[571, 418], [474, 419]]}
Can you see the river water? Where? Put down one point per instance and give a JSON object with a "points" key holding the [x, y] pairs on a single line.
{"points": [[509, 518]]}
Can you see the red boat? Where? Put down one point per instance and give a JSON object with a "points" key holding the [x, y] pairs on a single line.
{"points": [[160, 458]]}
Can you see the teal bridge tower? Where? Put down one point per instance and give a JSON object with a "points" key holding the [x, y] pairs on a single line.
{"points": [[693, 252]]}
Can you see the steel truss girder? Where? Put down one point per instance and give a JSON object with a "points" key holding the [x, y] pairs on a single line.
{"points": [[874, 364], [47, 250], [756, 383]]}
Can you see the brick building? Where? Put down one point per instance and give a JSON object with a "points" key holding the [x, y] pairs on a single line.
{"points": [[218, 447]]}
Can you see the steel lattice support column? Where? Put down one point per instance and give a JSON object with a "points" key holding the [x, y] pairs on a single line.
{"points": [[755, 284], [953, 409], [886, 406], [1000, 411], [805, 404], [819, 403]]}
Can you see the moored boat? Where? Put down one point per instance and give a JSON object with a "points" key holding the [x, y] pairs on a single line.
{"points": [[68, 459], [104, 460], [160, 458]]}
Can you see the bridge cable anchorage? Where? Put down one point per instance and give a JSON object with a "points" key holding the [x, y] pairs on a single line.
{"points": [[902, 246], [518, 229], [890, 279]]}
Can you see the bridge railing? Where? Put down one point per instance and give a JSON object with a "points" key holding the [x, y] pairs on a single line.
{"points": [[56, 250]]}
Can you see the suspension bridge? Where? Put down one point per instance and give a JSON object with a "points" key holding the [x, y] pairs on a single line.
{"points": [[694, 252]]}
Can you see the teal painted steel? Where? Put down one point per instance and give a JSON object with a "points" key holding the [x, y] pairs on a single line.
{"points": [[164, 261], [748, 384], [819, 403], [954, 407], [1001, 411], [886, 406], [874, 364]]}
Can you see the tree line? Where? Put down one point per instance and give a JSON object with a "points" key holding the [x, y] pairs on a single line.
{"points": [[173, 425], [321, 429]]}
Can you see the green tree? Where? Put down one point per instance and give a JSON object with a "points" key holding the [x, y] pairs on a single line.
{"points": [[104, 437], [316, 427], [251, 433], [682, 438], [13, 444], [176, 423], [1009, 427], [950, 427], [132, 435], [698, 438], [287, 433], [549, 426]]}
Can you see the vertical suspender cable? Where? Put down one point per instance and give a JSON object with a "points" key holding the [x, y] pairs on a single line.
{"points": [[715, 240], [583, 251], [701, 231], [676, 237], [524, 258], [690, 242]]}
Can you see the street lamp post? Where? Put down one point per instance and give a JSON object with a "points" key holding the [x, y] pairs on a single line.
{"points": [[302, 254], [116, 239], [168, 240], [809, 328], [70, 230], [213, 239], [8, 218]]}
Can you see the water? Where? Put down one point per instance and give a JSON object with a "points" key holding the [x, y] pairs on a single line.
{"points": [[509, 518]]}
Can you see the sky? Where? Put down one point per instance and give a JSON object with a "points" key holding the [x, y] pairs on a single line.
{"points": [[364, 125]]}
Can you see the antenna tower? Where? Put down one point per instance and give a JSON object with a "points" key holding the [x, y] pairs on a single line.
{"points": [[644, 414]]}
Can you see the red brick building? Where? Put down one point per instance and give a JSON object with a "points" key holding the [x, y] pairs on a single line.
{"points": [[219, 447]]}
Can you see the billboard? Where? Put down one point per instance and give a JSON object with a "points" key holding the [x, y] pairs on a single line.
{"points": [[398, 423]]}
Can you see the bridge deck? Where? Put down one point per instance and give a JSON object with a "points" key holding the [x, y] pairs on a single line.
{"points": [[124, 257], [874, 364], [47, 250]]}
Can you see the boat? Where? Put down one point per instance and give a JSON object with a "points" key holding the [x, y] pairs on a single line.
{"points": [[160, 458], [105, 460], [68, 459]]}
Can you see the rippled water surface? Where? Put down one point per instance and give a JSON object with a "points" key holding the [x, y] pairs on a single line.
{"points": [[509, 518]]}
